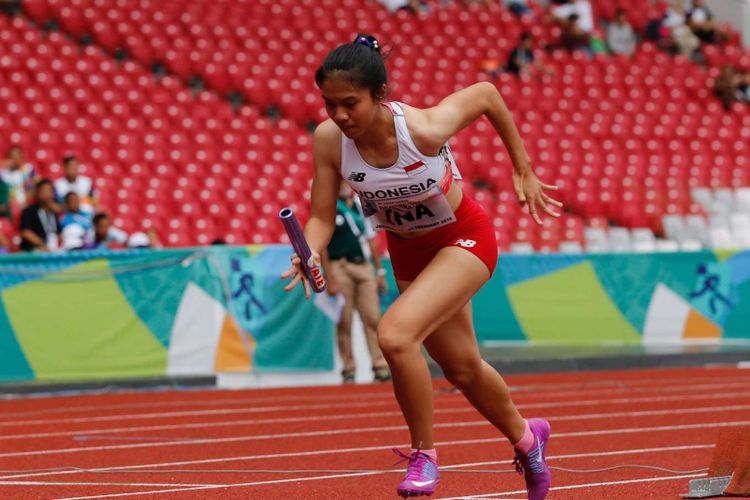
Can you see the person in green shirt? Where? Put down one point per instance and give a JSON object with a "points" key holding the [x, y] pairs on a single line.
{"points": [[347, 266]]}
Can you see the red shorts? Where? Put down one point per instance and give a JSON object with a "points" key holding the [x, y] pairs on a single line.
{"points": [[471, 231]]}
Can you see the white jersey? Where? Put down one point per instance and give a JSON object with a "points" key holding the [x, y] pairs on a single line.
{"points": [[410, 194]]}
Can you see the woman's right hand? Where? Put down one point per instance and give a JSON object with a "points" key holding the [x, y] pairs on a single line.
{"points": [[295, 272]]}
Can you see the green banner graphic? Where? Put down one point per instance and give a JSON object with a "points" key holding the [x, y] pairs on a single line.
{"points": [[95, 315]]}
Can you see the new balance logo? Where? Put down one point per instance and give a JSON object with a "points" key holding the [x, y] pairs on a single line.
{"points": [[466, 243], [356, 177]]}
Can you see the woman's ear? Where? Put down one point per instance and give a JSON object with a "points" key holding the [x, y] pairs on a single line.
{"points": [[383, 92]]}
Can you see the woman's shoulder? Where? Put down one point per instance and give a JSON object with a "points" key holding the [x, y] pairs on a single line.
{"points": [[327, 132]]}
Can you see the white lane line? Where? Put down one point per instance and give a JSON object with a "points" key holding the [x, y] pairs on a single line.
{"points": [[520, 388], [64, 483], [692, 390], [155, 442], [570, 487], [193, 413], [186, 402], [370, 473], [345, 416], [631, 430]]}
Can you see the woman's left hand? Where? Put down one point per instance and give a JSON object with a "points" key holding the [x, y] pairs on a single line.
{"points": [[530, 191]]}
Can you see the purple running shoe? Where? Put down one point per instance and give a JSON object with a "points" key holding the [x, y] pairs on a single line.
{"points": [[533, 465], [422, 476]]}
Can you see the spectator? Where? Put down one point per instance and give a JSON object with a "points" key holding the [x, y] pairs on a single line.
{"points": [[5, 207], [684, 41], [74, 214], [522, 61], [621, 38], [701, 21], [573, 38], [732, 85], [412, 6], [518, 7], [39, 228], [563, 9], [149, 239], [350, 273], [104, 234], [19, 175], [73, 181]]}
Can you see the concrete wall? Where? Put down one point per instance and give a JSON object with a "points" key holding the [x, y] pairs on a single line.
{"points": [[735, 12]]}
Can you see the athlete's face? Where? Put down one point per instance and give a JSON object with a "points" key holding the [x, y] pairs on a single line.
{"points": [[353, 109]]}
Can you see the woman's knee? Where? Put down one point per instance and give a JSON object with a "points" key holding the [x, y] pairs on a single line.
{"points": [[463, 372], [396, 339]]}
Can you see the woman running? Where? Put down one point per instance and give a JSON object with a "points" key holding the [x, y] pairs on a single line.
{"points": [[441, 243]]}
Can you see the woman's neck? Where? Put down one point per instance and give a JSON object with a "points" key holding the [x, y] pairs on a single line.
{"points": [[379, 131]]}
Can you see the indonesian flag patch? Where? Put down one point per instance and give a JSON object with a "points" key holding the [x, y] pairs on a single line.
{"points": [[415, 168]]}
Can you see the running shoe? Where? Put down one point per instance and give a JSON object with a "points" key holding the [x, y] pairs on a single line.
{"points": [[533, 465], [382, 374], [422, 476]]}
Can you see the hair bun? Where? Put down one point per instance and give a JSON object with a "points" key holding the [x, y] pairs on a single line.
{"points": [[367, 41]]}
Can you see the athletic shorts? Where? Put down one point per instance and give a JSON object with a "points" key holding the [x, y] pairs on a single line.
{"points": [[471, 231]]}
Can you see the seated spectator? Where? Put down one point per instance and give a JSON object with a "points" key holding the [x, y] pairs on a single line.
{"points": [[521, 60], [73, 213], [685, 42], [518, 7], [573, 38], [701, 21], [5, 206], [412, 6], [74, 237], [73, 181], [149, 239], [39, 228], [19, 175], [621, 38], [563, 9], [732, 85], [105, 235]]}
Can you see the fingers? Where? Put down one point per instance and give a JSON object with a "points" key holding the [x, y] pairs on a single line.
{"points": [[534, 214], [306, 286], [548, 186], [294, 282], [289, 272], [547, 199]]}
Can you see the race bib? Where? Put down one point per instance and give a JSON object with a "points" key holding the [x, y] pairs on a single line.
{"points": [[427, 210]]}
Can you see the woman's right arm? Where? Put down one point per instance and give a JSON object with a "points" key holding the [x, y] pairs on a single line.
{"points": [[325, 186], [324, 193]]}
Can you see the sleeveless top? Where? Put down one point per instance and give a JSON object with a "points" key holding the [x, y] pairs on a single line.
{"points": [[410, 194]]}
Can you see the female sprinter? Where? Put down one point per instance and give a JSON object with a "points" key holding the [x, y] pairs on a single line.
{"points": [[442, 245]]}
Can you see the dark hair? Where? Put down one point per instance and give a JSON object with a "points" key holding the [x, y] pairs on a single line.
{"points": [[67, 159], [44, 182], [69, 196], [620, 12], [98, 217], [363, 62], [14, 147]]}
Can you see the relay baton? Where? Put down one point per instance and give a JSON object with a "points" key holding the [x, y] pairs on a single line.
{"points": [[302, 249]]}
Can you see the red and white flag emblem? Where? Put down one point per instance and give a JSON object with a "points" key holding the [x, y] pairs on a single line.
{"points": [[415, 168]]}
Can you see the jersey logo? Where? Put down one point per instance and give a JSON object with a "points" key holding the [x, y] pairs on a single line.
{"points": [[356, 177], [466, 243]]}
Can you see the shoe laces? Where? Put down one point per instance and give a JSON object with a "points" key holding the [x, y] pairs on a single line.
{"points": [[519, 466], [415, 465]]}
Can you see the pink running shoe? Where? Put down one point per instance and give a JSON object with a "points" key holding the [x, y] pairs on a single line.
{"points": [[533, 465], [422, 476]]}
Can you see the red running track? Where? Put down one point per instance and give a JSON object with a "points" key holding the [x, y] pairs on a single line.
{"points": [[334, 442]]}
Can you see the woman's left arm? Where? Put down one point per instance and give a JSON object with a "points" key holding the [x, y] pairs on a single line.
{"points": [[460, 109]]}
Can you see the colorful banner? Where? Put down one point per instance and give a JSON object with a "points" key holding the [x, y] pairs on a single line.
{"points": [[98, 315]]}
